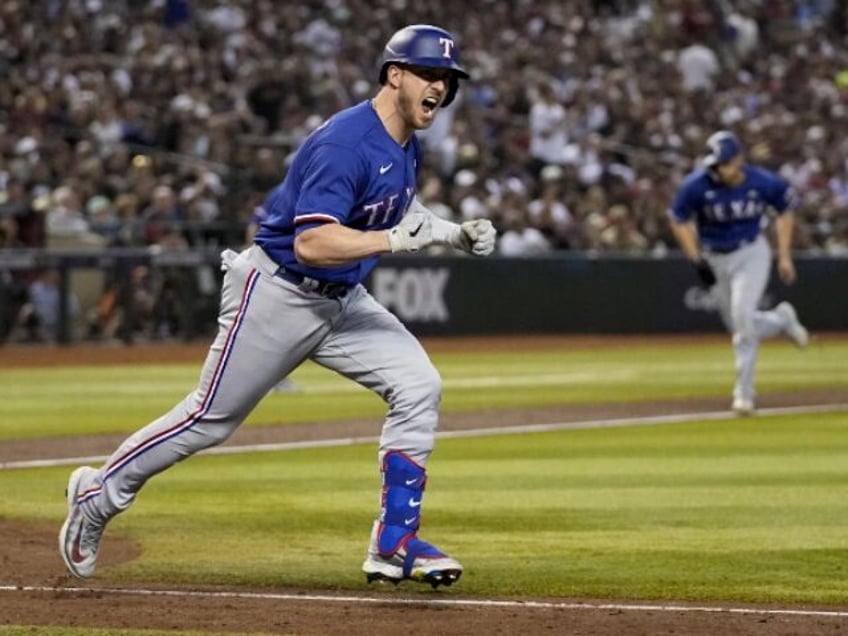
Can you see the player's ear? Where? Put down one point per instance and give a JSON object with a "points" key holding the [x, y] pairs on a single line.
{"points": [[393, 75]]}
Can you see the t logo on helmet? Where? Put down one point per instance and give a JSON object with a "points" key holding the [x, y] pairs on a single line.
{"points": [[448, 45]]}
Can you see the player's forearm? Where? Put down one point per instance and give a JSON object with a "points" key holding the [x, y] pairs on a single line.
{"points": [[444, 232], [687, 238], [332, 244], [784, 226]]}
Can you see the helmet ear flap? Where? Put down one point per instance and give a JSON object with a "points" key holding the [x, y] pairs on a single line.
{"points": [[712, 169], [453, 87]]}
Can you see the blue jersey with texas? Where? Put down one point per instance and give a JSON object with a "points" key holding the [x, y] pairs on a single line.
{"points": [[348, 171], [727, 216]]}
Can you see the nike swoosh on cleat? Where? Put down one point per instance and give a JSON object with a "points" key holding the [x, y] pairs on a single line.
{"points": [[76, 555]]}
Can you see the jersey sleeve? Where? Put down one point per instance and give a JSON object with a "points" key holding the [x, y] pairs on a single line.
{"points": [[780, 195], [258, 215], [330, 186], [683, 204]]}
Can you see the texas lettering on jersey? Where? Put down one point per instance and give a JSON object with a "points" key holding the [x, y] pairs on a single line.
{"points": [[729, 215], [380, 213], [348, 171], [736, 209]]}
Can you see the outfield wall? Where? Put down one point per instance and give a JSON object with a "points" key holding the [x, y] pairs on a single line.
{"points": [[583, 294], [434, 295]]}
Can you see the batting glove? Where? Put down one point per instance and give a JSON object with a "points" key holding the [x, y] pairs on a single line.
{"points": [[414, 232], [474, 237], [228, 257], [477, 237], [705, 272]]}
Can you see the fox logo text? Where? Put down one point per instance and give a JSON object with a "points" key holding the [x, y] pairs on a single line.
{"points": [[413, 294]]}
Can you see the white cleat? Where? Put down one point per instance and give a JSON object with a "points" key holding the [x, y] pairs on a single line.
{"points": [[794, 330], [438, 571], [79, 539], [743, 407], [431, 565]]}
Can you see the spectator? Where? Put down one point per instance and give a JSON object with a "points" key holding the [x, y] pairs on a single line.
{"points": [[65, 217], [518, 238], [103, 218], [163, 217], [621, 233], [117, 101], [548, 213], [468, 196], [547, 130], [41, 313], [698, 65]]}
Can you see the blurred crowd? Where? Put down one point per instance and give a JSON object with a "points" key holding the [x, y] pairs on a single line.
{"points": [[164, 122]]}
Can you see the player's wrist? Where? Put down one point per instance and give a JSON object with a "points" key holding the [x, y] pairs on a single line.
{"points": [[395, 240], [445, 232]]}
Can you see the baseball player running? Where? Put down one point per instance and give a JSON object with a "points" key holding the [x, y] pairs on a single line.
{"points": [[296, 294], [717, 217]]}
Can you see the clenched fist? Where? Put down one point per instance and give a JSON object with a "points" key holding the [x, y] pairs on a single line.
{"points": [[477, 237]]}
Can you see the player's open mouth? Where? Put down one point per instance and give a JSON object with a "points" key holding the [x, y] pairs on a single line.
{"points": [[430, 104]]}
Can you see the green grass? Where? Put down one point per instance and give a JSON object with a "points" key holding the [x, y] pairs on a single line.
{"points": [[120, 399], [743, 509]]}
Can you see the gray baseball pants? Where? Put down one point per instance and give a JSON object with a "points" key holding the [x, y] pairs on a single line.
{"points": [[742, 277], [268, 327]]}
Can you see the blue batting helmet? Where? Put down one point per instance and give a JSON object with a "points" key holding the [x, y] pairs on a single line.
{"points": [[428, 46], [722, 146]]}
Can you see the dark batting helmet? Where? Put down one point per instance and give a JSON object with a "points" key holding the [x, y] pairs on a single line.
{"points": [[428, 46], [722, 146]]}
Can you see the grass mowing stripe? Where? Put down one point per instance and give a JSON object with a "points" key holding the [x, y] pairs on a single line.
{"points": [[749, 510], [479, 432], [122, 398]]}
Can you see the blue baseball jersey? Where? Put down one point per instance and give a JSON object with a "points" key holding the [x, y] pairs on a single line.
{"points": [[727, 216], [348, 171]]}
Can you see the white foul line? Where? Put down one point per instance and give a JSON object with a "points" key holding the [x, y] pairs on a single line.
{"points": [[427, 602], [508, 430], [675, 418]]}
